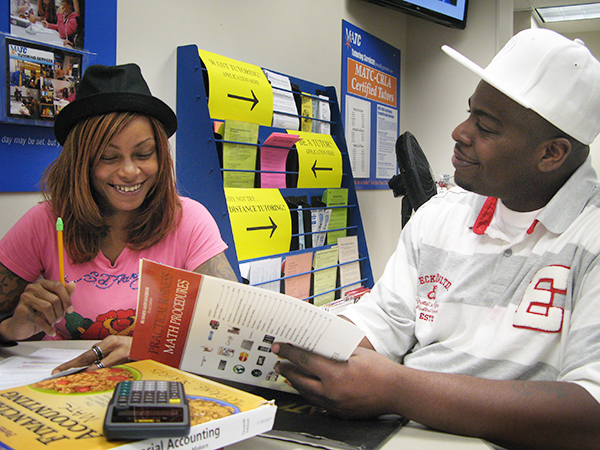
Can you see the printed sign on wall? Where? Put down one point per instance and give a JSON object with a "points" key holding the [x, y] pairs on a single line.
{"points": [[370, 106]]}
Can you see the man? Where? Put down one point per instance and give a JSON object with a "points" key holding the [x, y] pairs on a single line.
{"points": [[486, 321], [18, 77]]}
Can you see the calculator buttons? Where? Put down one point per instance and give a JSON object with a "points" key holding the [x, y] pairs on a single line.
{"points": [[147, 408]]}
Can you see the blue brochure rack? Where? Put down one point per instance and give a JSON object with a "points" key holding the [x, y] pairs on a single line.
{"points": [[199, 172]]}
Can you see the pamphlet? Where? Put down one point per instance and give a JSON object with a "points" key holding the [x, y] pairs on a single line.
{"points": [[349, 264], [325, 265], [239, 153], [225, 329], [297, 275], [338, 200], [285, 114], [273, 157], [324, 114], [307, 113], [266, 273]]}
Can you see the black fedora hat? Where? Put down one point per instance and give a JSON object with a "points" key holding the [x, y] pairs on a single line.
{"points": [[105, 89]]}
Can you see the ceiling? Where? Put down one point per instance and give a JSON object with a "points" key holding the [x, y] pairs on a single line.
{"points": [[564, 27]]}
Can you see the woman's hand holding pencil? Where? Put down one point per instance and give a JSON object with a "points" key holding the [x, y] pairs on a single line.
{"points": [[42, 304]]}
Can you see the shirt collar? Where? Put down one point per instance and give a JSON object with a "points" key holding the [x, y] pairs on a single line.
{"points": [[561, 210]]}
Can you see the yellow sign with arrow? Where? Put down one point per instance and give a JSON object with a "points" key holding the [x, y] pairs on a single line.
{"points": [[260, 221], [237, 90], [319, 161]]}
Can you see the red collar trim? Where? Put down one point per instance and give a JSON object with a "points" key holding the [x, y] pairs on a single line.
{"points": [[485, 216], [532, 227]]}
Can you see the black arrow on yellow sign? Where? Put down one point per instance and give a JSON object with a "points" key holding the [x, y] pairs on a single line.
{"points": [[271, 227], [254, 100], [314, 168]]}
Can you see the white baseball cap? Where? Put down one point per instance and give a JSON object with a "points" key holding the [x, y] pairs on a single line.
{"points": [[554, 76]]}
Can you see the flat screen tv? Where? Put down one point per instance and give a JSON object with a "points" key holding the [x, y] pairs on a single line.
{"points": [[451, 13]]}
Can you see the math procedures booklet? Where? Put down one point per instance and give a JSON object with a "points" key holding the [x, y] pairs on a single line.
{"points": [[224, 329]]}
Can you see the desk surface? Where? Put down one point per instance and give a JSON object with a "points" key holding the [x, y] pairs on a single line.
{"points": [[411, 436]]}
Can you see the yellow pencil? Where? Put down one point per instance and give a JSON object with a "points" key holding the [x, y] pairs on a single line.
{"points": [[61, 259]]}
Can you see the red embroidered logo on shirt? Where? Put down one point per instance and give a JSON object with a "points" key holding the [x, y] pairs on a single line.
{"points": [[537, 310]]}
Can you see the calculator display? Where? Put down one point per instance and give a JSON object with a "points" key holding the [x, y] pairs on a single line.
{"points": [[148, 415]]}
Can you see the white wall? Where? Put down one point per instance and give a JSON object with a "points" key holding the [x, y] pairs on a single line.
{"points": [[438, 87], [304, 38]]}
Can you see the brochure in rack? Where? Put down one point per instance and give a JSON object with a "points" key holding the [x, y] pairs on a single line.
{"points": [[68, 412], [225, 329]]}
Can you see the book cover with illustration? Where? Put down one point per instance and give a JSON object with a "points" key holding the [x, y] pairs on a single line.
{"points": [[68, 412], [224, 329]]}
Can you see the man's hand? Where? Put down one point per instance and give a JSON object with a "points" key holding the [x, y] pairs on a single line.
{"points": [[358, 388]]}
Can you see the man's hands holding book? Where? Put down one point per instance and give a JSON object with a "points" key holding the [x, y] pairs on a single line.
{"points": [[360, 387]]}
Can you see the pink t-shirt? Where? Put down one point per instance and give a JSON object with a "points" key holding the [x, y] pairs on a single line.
{"points": [[105, 297]]}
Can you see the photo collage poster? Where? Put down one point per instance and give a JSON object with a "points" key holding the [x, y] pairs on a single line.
{"points": [[41, 80], [42, 67]]}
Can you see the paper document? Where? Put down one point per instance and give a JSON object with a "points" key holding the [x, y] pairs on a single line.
{"points": [[238, 155], [285, 114], [298, 286], [339, 216], [273, 157], [263, 270], [324, 114], [20, 370], [325, 275], [350, 267]]}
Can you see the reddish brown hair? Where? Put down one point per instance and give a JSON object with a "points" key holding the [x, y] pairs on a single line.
{"points": [[66, 184]]}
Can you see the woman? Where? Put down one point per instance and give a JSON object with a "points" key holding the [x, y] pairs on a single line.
{"points": [[113, 186], [66, 22], [46, 11]]}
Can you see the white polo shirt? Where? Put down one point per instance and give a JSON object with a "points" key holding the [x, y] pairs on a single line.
{"points": [[461, 296]]}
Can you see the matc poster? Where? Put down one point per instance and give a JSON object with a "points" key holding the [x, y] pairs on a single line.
{"points": [[370, 106]]}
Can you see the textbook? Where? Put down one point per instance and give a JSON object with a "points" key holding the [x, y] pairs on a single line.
{"points": [[224, 329], [68, 412]]}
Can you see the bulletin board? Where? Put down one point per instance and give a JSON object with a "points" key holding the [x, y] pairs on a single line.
{"points": [[27, 146], [370, 101]]}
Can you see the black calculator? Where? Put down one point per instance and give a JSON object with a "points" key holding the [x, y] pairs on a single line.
{"points": [[144, 409]]}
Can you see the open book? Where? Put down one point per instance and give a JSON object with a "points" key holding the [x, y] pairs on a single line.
{"points": [[223, 329]]}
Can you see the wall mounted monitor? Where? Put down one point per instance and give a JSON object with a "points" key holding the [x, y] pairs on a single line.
{"points": [[451, 13]]}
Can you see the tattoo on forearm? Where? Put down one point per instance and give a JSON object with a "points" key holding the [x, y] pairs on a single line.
{"points": [[11, 288], [218, 267]]}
